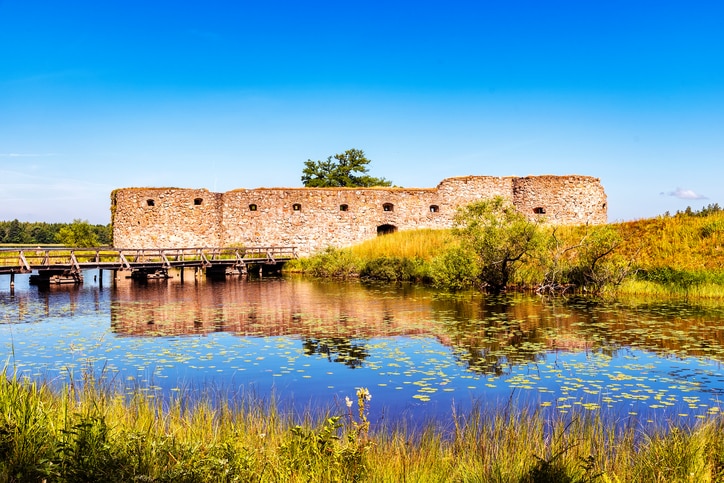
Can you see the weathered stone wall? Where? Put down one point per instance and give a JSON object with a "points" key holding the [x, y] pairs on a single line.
{"points": [[561, 200], [320, 218], [166, 217], [315, 218]]}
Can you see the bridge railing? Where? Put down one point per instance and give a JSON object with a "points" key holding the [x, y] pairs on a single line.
{"points": [[19, 260]]}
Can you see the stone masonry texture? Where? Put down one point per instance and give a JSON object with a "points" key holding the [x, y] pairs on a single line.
{"points": [[313, 219]]}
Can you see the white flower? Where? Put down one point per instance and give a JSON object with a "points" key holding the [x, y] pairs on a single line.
{"points": [[348, 401]]}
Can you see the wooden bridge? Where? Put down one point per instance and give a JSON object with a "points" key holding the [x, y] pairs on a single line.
{"points": [[66, 265]]}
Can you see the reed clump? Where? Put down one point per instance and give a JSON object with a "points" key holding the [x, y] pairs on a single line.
{"points": [[91, 432]]}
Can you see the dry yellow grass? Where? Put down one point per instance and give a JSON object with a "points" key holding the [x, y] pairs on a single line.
{"points": [[424, 244]]}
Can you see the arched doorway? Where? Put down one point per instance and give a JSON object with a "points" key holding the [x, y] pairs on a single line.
{"points": [[386, 229]]}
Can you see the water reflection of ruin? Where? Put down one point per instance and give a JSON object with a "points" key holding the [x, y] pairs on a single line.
{"points": [[337, 320]]}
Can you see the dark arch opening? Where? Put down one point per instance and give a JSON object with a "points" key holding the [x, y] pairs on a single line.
{"points": [[539, 210], [297, 207], [386, 229], [252, 207], [343, 207], [388, 207], [198, 201], [434, 208], [150, 203]]}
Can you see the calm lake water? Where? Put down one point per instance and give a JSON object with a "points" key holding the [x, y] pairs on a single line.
{"points": [[418, 351]]}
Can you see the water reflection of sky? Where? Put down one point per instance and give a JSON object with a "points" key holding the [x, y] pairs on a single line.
{"points": [[314, 344]]}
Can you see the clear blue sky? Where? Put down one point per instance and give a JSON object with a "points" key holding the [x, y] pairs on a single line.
{"points": [[98, 95]]}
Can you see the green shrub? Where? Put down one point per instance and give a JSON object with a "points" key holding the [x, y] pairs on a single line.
{"points": [[333, 263], [671, 276], [393, 269], [455, 269], [712, 227]]}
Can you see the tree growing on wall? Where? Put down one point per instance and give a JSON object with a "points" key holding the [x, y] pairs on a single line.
{"points": [[344, 169]]}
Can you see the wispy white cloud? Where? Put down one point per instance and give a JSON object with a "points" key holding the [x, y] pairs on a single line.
{"points": [[684, 194], [28, 155]]}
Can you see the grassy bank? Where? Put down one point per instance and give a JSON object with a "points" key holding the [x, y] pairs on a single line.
{"points": [[96, 434], [679, 255]]}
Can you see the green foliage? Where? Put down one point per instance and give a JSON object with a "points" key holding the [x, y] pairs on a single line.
{"points": [[498, 237], [711, 228], [332, 263], [319, 456], [84, 451], [680, 279], [96, 434], [596, 263], [555, 470], [16, 232], [344, 169], [393, 269], [705, 211], [80, 233], [454, 269]]}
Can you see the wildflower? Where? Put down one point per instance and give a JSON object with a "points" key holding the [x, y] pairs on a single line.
{"points": [[363, 393], [348, 401]]}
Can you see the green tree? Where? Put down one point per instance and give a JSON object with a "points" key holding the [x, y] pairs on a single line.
{"points": [[497, 237], [16, 233], [80, 233], [345, 169], [41, 233], [599, 264]]}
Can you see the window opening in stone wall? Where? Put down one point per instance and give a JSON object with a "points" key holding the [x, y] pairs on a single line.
{"points": [[297, 207], [603, 206], [252, 207], [343, 207], [539, 210], [198, 201], [386, 229], [434, 208], [150, 203], [388, 207]]}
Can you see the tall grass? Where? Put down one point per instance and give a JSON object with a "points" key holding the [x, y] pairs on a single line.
{"points": [[423, 244], [398, 256], [91, 432]]}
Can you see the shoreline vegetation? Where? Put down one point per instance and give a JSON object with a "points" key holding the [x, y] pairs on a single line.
{"points": [[90, 432], [680, 255]]}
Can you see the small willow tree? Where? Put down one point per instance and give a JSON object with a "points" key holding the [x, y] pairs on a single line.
{"points": [[498, 238]]}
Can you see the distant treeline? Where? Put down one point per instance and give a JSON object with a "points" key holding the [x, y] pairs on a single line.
{"points": [[707, 210], [22, 232]]}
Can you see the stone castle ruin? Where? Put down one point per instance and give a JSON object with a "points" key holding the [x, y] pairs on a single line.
{"points": [[313, 219]]}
